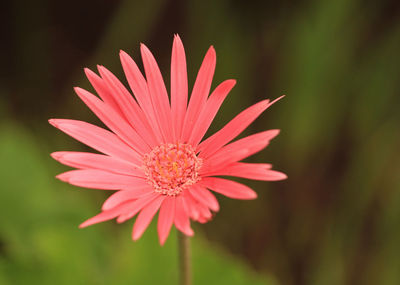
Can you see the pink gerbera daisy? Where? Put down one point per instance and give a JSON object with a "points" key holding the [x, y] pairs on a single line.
{"points": [[153, 156]]}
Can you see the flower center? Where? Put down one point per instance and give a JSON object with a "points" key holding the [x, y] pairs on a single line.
{"points": [[170, 168]]}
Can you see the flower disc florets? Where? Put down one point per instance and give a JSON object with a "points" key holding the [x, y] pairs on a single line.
{"points": [[170, 168]]}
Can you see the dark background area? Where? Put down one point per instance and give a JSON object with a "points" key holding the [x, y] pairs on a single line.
{"points": [[336, 220]]}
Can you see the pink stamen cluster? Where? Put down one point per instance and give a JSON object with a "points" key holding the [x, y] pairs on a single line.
{"points": [[170, 168]]}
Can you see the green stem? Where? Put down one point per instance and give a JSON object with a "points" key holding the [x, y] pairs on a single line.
{"points": [[185, 273]]}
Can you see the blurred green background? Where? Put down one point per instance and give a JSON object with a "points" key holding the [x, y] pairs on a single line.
{"points": [[336, 220]]}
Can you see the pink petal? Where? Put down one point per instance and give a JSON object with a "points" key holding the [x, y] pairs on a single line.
{"points": [[202, 220], [106, 215], [238, 150], [191, 205], [197, 211], [128, 106], [101, 88], [145, 216], [136, 206], [205, 197], [200, 92], [138, 86], [273, 175], [209, 111], [158, 93], [125, 195], [112, 120], [233, 128], [166, 218], [256, 171], [100, 179], [85, 160], [204, 212], [228, 188], [179, 85], [97, 138], [181, 219]]}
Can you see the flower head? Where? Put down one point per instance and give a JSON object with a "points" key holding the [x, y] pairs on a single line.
{"points": [[153, 155]]}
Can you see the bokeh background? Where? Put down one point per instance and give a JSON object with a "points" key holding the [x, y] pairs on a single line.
{"points": [[336, 220]]}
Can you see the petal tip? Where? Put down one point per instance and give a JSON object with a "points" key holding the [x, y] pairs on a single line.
{"points": [[276, 100], [216, 208], [53, 122], [211, 52], [89, 73], [83, 225], [78, 90], [56, 155], [253, 196], [123, 54], [63, 177], [177, 38], [121, 219], [135, 236], [276, 175], [100, 68], [162, 240], [273, 133], [143, 47], [282, 176], [232, 81]]}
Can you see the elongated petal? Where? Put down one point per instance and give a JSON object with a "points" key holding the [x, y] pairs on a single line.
{"points": [[126, 195], [205, 197], [200, 92], [196, 210], [273, 175], [166, 218], [112, 120], [106, 215], [97, 138], [128, 106], [235, 168], [99, 179], [136, 206], [255, 171], [233, 128], [101, 88], [229, 188], [179, 85], [85, 160], [158, 92], [204, 212], [191, 205], [145, 216], [102, 217], [209, 111], [202, 220], [239, 150], [138, 85], [181, 219]]}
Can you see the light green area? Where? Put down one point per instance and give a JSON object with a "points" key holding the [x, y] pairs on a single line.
{"points": [[42, 244]]}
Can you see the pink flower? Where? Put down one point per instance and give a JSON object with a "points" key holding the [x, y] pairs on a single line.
{"points": [[153, 156]]}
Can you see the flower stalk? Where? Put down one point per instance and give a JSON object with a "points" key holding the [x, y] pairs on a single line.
{"points": [[185, 270]]}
